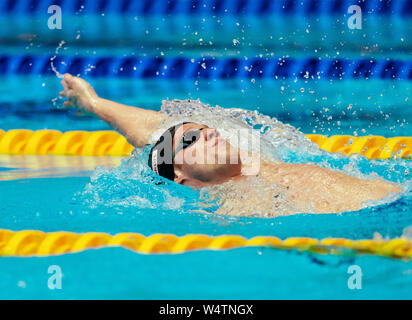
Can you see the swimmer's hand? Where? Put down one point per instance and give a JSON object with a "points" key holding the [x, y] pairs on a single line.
{"points": [[79, 93], [136, 124]]}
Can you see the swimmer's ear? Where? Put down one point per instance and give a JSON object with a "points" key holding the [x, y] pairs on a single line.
{"points": [[185, 180], [180, 177]]}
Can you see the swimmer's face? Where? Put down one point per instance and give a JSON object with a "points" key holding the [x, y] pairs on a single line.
{"points": [[207, 160]]}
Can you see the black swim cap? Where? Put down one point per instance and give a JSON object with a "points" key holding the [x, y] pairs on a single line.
{"points": [[161, 155]]}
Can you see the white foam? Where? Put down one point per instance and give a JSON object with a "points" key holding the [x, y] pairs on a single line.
{"points": [[61, 44]]}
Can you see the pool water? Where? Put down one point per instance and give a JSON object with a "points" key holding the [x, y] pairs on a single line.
{"points": [[259, 273], [113, 195], [353, 107], [113, 199]]}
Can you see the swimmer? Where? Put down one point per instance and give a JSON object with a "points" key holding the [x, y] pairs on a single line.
{"points": [[324, 190]]}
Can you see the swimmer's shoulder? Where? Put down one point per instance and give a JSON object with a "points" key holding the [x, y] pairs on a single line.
{"points": [[269, 170]]}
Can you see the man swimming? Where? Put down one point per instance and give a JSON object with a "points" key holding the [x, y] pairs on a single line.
{"points": [[309, 187]]}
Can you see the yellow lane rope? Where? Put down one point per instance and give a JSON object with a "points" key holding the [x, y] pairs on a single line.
{"points": [[37, 243], [111, 143]]}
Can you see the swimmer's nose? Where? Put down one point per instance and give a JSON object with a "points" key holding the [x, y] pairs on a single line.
{"points": [[211, 133]]}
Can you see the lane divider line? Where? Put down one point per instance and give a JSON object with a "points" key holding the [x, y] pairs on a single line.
{"points": [[111, 143], [144, 67], [29, 243]]}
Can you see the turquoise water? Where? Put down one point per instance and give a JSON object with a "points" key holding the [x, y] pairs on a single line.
{"points": [[125, 200], [295, 35], [57, 193], [235, 274], [354, 107]]}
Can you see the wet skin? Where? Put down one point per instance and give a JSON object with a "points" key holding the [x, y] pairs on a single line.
{"points": [[310, 187]]}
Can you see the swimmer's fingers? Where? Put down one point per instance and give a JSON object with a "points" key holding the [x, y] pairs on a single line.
{"points": [[66, 84], [66, 93], [68, 78], [71, 100], [66, 87], [68, 104], [67, 81]]}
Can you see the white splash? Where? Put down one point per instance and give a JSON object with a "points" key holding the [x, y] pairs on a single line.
{"points": [[61, 44]]}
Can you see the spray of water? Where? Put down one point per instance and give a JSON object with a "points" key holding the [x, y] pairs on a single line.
{"points": [[61, 44], [133, 183]]}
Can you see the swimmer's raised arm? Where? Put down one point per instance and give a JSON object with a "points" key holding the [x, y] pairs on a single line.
{"points": [[135, 123]]}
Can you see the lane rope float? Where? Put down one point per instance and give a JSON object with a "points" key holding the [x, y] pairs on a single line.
{"points": [[71, 143], [222, 68], [28, 243], [111, 143], [397, 8]]}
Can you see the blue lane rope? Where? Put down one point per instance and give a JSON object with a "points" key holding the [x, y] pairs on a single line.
{"points": [[189, 7], [208, 68]]}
